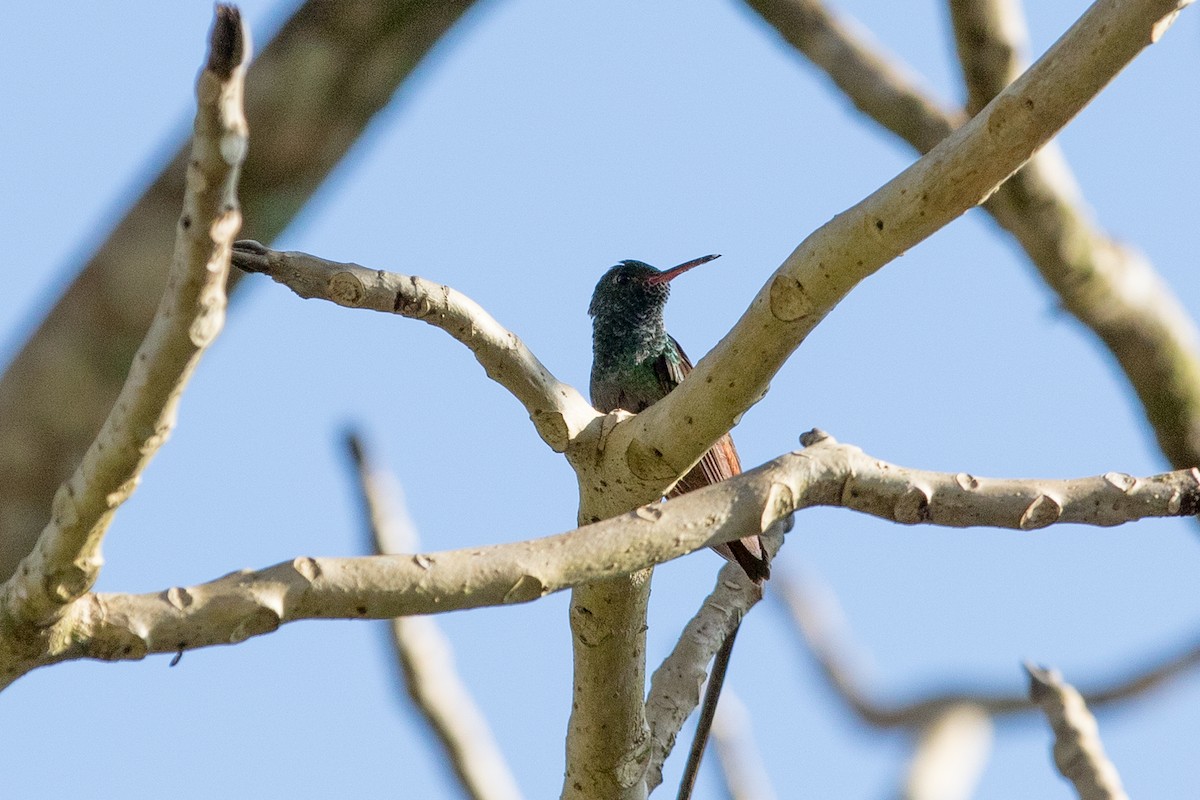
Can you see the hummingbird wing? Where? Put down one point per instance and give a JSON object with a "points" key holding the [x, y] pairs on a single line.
{"points": [[719, 463], [722, 460]]}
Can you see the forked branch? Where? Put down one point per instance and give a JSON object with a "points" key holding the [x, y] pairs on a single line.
{"points": [[961, 171], [815, 619]]}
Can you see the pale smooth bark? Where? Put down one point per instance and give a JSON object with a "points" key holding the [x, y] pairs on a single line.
{"points": [[742, 766], [251, 603], [309, 96], [951, 752], [67, 558], [675, 687], [1106, 284], [557, 410]]}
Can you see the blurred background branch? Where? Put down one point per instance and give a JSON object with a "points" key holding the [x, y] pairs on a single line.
{"points": [[742, 768], [949, 755], [820, 625], [992, 43], [423, 653]]}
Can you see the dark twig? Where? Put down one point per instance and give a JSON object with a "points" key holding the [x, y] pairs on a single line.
{"points": [[716, 680]]}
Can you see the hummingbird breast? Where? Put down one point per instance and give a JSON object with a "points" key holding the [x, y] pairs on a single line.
{"points": [[625, 372]]}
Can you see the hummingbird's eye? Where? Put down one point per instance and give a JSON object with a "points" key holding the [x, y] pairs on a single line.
{"points": [[620, 279]]}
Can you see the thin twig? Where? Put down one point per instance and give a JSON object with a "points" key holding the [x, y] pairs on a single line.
{"points": [[708, 711], [675, 687]]}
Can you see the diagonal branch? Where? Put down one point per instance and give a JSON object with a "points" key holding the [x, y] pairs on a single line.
{"points": [[960, 172], [426, 659], [557, 410], [675, 686], [639, 458], [67, 559], [1078, 751], [1106, 285], [250, 603], [309, 96]]}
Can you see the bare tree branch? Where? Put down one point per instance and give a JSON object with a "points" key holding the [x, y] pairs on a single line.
{"points": [[992, 41], [951, 753], [557, 410], [1147, 676], [1078, 751], [880, 86], [608, 741], [250, 603], [742, 766], [676, 684], [964, 169], [1108, 286], [641, 456], [817, 622], [607, 733], [67, 559], [708, 713], [426, 658], [631, 462], [309, 96]]}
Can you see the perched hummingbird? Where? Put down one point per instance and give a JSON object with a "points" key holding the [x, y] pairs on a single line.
{"points": [[635, 362]]}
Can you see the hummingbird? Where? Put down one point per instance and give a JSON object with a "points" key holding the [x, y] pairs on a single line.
{"points": [[635, 363]]}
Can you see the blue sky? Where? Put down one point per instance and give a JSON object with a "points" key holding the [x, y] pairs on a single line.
{"points": [[543, 142]]}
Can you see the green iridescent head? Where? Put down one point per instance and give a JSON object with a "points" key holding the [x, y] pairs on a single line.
{"points": [[633, 287]]}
